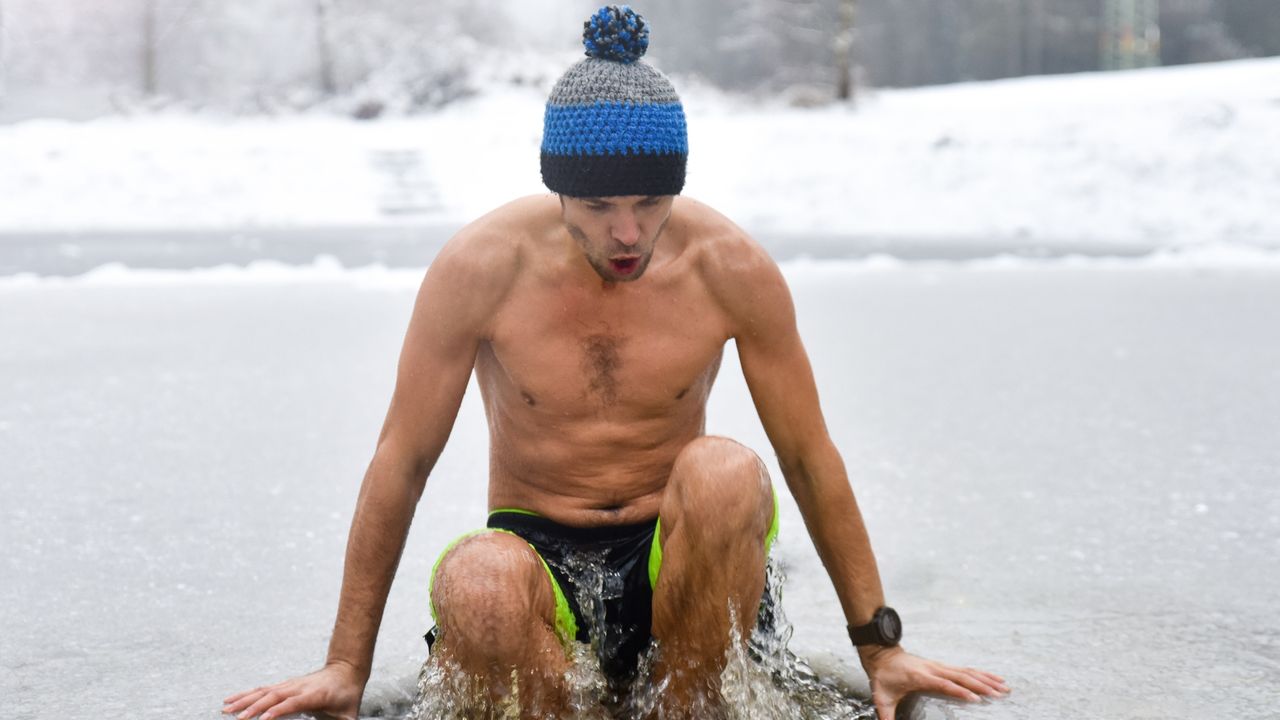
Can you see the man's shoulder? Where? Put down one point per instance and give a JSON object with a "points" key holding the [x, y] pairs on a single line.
{"points": [[476, 269], [507, 228], [489, 249], [706, 228], [730, 260]]}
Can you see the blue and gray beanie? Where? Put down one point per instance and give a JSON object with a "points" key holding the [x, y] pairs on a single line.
{"points": [[614, 124]]}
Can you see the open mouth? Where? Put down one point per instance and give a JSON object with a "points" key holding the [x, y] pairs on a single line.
{"points": [[624, 266]]}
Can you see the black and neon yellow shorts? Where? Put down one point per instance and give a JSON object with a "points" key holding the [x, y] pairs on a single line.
{"points": [[602, 577]]}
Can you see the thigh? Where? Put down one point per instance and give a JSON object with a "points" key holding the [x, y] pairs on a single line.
{"points": [[717, 521], [719, 492], [654, 564]]}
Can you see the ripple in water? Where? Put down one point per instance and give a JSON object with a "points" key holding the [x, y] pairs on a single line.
{"points": [[762, 680]]}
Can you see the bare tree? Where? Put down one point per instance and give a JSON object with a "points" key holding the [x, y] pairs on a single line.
{"points": [[149, 39], [4, 66], [409, 54], [328, 85], [1014, 37], [1034, 19], [844, 49]]}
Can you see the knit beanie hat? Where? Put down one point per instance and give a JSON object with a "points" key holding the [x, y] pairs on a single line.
{"points": [[614, 124]]}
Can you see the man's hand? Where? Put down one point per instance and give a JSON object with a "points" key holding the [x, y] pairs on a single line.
{"points": [[334, 690], [894, 673]]}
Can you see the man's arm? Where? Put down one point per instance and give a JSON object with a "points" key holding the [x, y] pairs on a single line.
{"points": [[461, 289], [762, 316]]}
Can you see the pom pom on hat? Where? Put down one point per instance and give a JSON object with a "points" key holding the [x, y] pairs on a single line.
{"points": [[615, 33]]}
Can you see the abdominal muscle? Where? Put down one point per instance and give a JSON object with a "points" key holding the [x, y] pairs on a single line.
{"points": [[583, 465], [640, 504], [584, 476]]}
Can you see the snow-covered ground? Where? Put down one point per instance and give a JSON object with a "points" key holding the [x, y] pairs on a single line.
{"points": [[1154, 157]]}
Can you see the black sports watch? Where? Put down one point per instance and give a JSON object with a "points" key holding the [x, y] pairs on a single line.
{"points": [[884, 629]]}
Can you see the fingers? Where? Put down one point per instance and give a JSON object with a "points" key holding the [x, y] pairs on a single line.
{"points": [[943, 686], [237, 696], [974, 681], [993, 679], [266, 702], [989, 678], [885, 710], [240, 701], [330, 689], [293, 704]]}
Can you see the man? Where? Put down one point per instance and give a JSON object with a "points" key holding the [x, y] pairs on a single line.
{"points": [[594, 322]]}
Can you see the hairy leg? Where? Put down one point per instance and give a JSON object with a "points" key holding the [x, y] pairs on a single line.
{"points": [[496, 615], [715, 515]]}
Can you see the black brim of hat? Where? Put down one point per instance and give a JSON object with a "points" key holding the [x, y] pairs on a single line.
{"points": [[614, 175]]}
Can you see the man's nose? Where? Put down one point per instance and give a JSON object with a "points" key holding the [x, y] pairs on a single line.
{"points": [[626, 229]]}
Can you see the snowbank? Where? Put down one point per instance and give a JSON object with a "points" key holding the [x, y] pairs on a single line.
{"points": [[1161, 157]]}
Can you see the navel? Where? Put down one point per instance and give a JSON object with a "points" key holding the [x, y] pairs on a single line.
{"points": [[528, 399], [682, 393]]}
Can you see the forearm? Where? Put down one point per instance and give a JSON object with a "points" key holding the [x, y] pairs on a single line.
{"points": [[384, 511], [821, 489]]}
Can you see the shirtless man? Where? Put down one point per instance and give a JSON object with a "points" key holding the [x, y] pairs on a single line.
{"points": [[595, 320]]}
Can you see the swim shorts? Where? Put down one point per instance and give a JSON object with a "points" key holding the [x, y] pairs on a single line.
{"points": [[602, 578]]}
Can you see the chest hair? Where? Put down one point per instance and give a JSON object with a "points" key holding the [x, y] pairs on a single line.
{"points": [[602, 365]]}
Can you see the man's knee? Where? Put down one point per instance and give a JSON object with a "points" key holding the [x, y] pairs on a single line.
{"points": [[488, 586], [719, 480]]}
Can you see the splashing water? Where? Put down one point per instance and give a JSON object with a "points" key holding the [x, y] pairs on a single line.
{"points": [[762, 679], [445, 692]]}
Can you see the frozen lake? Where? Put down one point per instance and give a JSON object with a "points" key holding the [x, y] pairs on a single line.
{"points": [[1070, 475], [71, 253]]}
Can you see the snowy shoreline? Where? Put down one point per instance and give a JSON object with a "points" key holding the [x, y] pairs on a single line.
{"points": [[328, 270], [1167, 157]]}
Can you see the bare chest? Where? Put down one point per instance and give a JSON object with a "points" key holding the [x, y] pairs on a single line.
{"points": [[570, 354]]}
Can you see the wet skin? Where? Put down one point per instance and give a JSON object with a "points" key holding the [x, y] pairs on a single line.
{"points": [[595, 329]]}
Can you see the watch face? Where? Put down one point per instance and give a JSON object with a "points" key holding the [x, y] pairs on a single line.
{"points": [[889, 624]]}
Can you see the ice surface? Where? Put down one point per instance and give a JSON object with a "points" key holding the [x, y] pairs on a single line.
{"points": [[1069, 476]]}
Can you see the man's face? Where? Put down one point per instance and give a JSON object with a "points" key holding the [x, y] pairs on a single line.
{"points": [[617, 234]]}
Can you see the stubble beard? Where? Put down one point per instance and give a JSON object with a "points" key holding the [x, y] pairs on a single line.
{"points": [[601, 264]]}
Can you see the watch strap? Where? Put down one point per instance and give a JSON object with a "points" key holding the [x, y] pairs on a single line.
{"points": [[868, 634], [884, 629]]}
